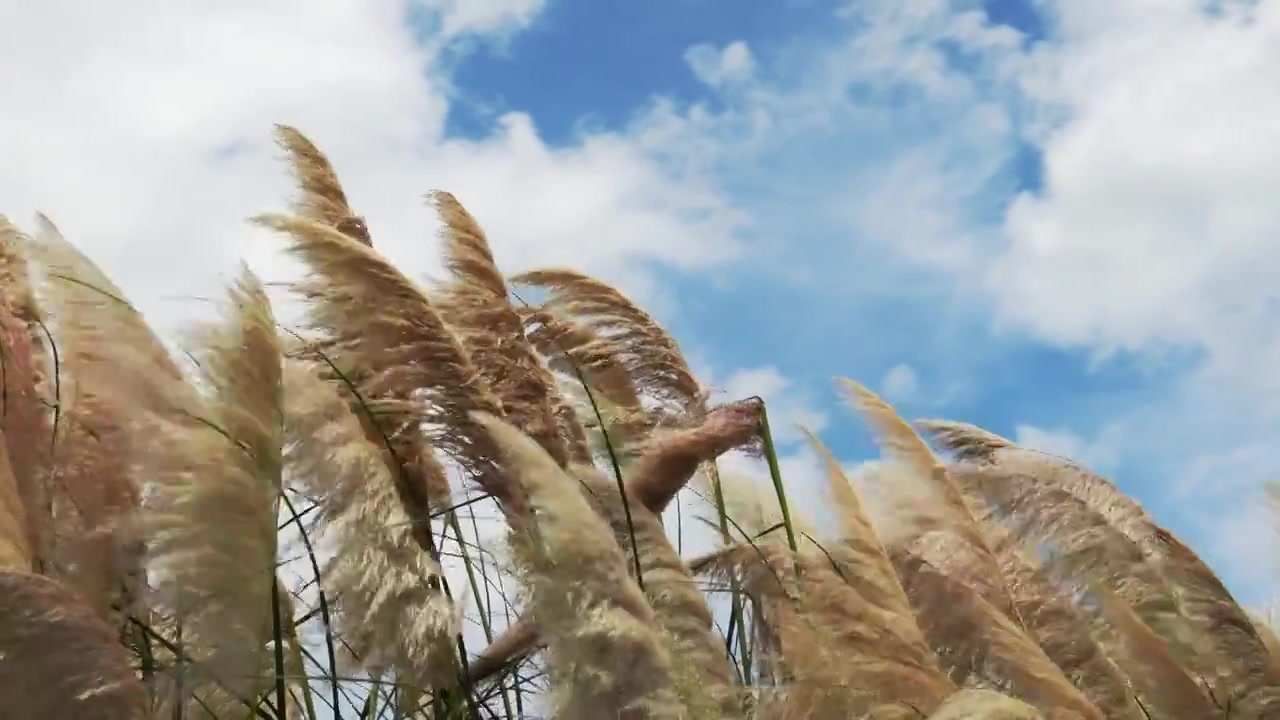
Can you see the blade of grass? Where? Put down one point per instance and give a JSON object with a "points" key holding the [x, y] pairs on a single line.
{"points": [[775, 474]]}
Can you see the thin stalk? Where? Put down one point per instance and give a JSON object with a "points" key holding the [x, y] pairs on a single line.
{"points": [[506, 609], [370, 704], [679, 528], [324, 611], [277, 633], [475, 591], [736, 613]]}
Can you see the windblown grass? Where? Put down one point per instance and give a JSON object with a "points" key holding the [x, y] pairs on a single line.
{"points": [[273, 525]]}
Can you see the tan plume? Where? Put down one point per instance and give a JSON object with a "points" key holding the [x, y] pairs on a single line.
{"points": [[703, 677], [392, 611], [651, 482], [984, 705], [872, 573], [1162, 685], [949, 514], [212, 452], [1064, 632], [965, 441], [605, 645], [592, 375], [15, 551], [109, 362], [323, 198], [838, 654], [17, 291], [476, 304], [413, 380], [980, 646], [59, 659], [1085, 546], [1267, 631], [652, 357], [1240, 668]]}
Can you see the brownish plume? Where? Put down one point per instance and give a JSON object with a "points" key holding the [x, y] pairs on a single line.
{"points": [[411, 376], [651, 482], [323, 199], [605, 645], [58, 659], [1239, 668], [652, 357], [476, 305]]}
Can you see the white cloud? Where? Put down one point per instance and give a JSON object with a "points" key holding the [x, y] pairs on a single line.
{"points": [[1100, 451], [900, 384], [1244, 548], [457, 17], [144, 131], [728, 65], [1156, 225]]}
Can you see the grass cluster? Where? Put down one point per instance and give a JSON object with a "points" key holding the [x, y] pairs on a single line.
{"points": [[281, 522]]}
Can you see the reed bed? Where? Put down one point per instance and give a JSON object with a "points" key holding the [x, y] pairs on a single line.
{"points": [[441, 501]]}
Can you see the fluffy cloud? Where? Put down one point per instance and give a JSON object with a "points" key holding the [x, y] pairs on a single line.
{"points": [[1099, 452], [1157, 187], [900, 384], [458, 17], [730, 64], [144, 131]]}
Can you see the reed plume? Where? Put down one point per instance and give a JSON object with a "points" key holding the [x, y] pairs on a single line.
{"points": [[392, 612], [1233, 659], [703, 677], [58, 659], [1064, 632], [607, 654], [323, 199], [1084, 544], [651, 482], [589, 364], [24, 423], [938, 513], [16, 536], [412, 378], [651, 356], [476, 306], [103, 345], [1159, 682], [984, 705], [981, 646], [211, 449]]}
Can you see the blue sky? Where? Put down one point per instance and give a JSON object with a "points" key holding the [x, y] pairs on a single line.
{"points": [[818, 295], [1054, 218]]}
